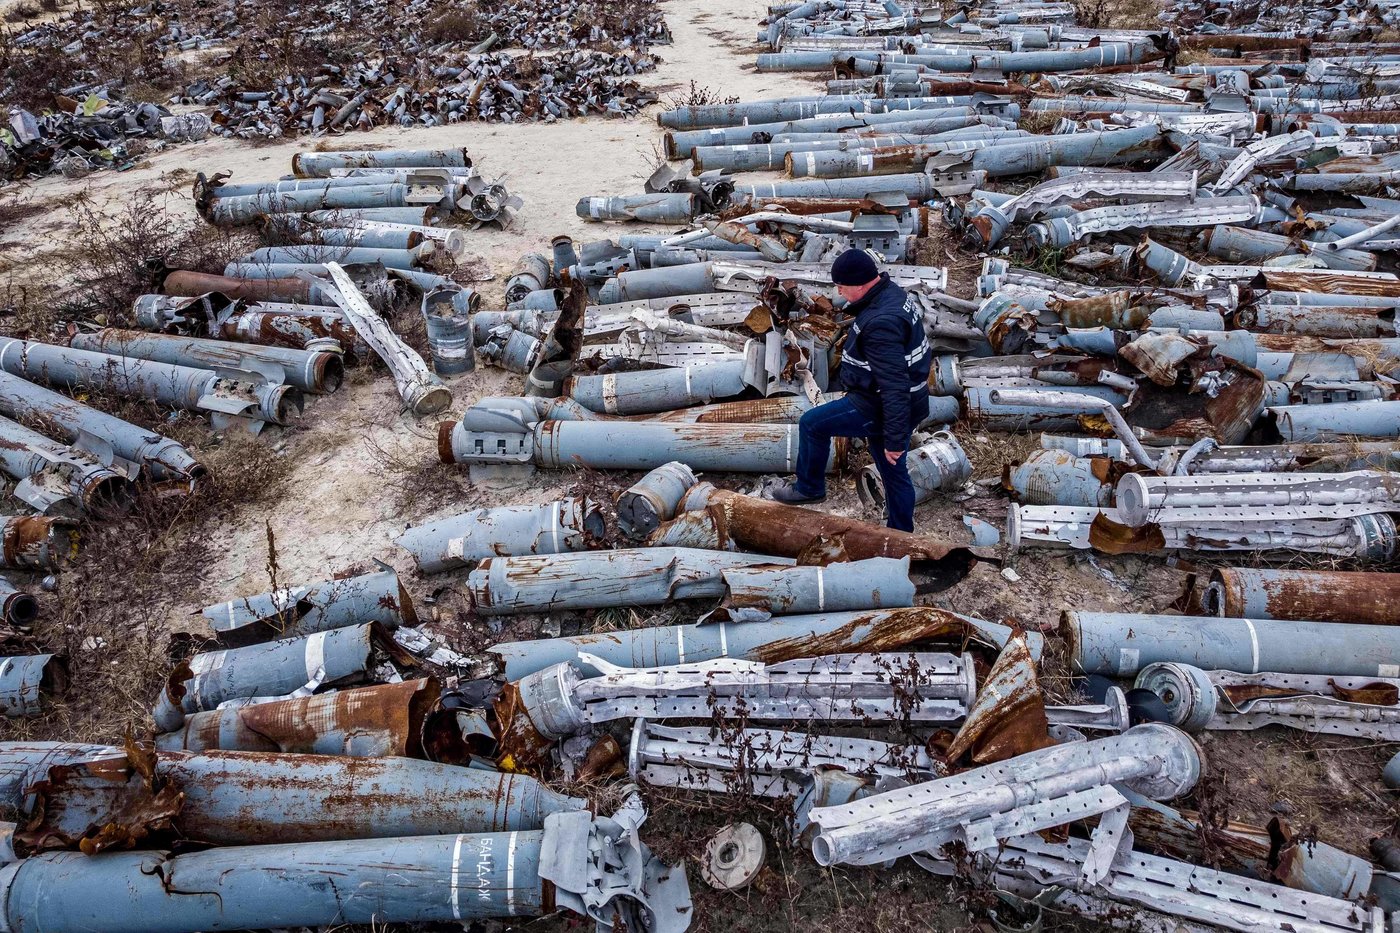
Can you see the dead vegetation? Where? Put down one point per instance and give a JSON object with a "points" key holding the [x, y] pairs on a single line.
{"points": [[699, 96], [1118, 14]]}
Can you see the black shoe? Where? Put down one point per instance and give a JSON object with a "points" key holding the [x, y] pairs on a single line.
{"points": [[790, 496]]}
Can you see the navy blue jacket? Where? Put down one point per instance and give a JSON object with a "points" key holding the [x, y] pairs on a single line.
{"points": [[885, 362]]}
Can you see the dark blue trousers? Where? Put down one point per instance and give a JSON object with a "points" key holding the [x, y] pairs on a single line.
{"points": [[842, 418]]}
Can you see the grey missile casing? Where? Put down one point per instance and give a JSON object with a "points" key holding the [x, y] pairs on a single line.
{"points": [[785, 636], [449, 331], [315, 253], [1337, 422], [654, 390], [247, 209], [415, 879], [26, 682], [917, 186], [23, 764], [273, 669], [629, 445], [571, 524], [654, 498], [249, 798], [17, 608], [301, 610], [938, 465], [682, 144], [664, 208], [600, 579], [316, 371], [53, 477], [320, 164], [417, 216], [177, 386], [786, 109], [874, 583], [1121, 644]]}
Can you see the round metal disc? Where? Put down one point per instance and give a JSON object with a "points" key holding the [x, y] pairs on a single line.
{"points": [[733, 857]]}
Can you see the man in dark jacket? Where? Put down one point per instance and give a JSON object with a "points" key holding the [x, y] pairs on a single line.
{"points": [[884, 370]]}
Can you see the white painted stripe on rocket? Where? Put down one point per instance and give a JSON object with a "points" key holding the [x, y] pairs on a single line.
{"points": [[454, 879], [1253, 646], [316, 658], [821, 589], [680, 643], [610, 393], [554, 527], [723, 640], [510, 873]]}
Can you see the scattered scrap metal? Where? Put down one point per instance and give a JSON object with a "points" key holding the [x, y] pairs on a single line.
{"points": [[1246, 404], [363, 65]]}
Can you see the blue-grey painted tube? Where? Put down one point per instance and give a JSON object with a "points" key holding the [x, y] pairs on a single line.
{"points": [[17, 608], [632, 393], [1337, 421], [1071, 104], [274, 669], [1117, 147], [637, 445], [778, 111], [917, 186], [1239, 244], [1390, 775], [531, 274], [420, 216], [777, 639], [177, 386], [448, 543], [899, 158], [548, 299], [23, 764], [1340, 321], [248, 798], [316, 371], [681, 145], [664, 208], [314, 253], [400, 880], [874, 583], [1121, 644], [55, 478], [598, 579], [27, 682], [370, 237], [246, 209], [643, 506], [694, 279], [289, 185], [163, 457], [320, 164], [1107, 54], [316, 607], [771, 156]]}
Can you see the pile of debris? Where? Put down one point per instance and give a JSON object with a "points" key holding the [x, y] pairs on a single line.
{"points": [[363, 65], [90, 134]]}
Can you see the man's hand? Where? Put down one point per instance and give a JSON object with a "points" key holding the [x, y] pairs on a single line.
{"points": [[892, 456]]}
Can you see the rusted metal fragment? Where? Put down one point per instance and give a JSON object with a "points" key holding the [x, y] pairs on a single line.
{"points": [[769, 527], [886, 630], [1008, 717], [1120, 310], [37, 542], [1171, 414], [115, 803], [194, 284], [391, 719], [1111, 537], [1322, 595], [523, 746], [1330, 283]]}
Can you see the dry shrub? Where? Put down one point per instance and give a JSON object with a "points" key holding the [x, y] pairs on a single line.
{"points": [[21, 13], [463, 24], [698, 96], [112, 255]]}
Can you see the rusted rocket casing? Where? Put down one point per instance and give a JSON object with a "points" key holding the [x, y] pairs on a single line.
{"points": [[1323, 595], [363, 722], [769, 527], [257, 798]]}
